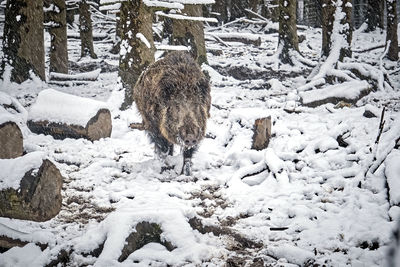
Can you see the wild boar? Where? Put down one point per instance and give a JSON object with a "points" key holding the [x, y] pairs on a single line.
{"points": [[173, 98]]}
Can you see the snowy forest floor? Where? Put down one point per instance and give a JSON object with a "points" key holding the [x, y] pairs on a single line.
{"points": [[303, 201]]}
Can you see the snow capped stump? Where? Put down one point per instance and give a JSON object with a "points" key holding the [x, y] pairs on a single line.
{"points": [[67, 116], [30, 188], [11, 141], [262, 133]]}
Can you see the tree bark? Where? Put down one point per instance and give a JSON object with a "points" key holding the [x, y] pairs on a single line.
{"points": [[38, 198], [135, 55], [328, 14], [56, 17], [328, 11], [391, 31], [288, 39], [191, 33], [86, 30], [270, 10], [374, 16], [11, 141], [347, 30], [23, 43], [220, 7]]}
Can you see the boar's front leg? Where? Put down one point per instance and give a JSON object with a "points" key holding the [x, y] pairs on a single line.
{"points": [[187, 160]]}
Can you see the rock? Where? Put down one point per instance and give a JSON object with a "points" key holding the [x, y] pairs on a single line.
{"points": [[38, 196], [67, 116], [145, 233], [262, 133], [11, 141]]}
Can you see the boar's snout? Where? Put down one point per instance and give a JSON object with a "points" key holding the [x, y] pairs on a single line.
{"points": [[190, 140]]}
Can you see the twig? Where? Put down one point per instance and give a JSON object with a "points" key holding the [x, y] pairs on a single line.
{"points": [[138, 126], [256, 14], [381, 125], [226, 24]]}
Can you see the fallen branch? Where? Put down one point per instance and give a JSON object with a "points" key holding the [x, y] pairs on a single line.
{"points": [[137, 126], [256, 14]]}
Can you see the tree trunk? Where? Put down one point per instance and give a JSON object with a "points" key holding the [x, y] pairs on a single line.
{"points": [[270, 10], [23, 43], [237, 8], [288, 39], [347, 30], [220, 7], [56, 17], [86, 30], [328, 11], [137, 45], [391, 31], [374, 16], [191, 33]]}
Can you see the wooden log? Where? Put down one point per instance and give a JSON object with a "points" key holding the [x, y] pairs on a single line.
{"points": [[247, 38], [11, 141], [262, 133], [30, 188], [67, 116]]}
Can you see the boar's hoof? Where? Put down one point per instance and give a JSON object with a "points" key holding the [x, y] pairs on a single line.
{"points": [[187, 167]]}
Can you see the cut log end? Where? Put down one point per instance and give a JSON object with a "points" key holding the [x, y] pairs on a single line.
{"points": [[11, 141], [99, 126], [38, 198], [262, 133]]}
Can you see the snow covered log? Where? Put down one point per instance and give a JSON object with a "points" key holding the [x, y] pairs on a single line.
{"points": [[11, 143], [67, 116], [349, 92], [86, 76], [247, 38], [262, 133], [30, 188]]}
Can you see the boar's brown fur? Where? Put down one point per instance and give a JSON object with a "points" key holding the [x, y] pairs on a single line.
{"points": [[173, 97]]}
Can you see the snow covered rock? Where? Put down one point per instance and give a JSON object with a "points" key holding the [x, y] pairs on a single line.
{"points": [[30, 188], [63, 115]]}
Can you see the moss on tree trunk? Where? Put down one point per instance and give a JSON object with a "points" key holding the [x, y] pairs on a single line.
{"points": [[391, 31], [56, 17], [288, 39], [191, 33], [86, 30], [135, 55], [23, 43]]}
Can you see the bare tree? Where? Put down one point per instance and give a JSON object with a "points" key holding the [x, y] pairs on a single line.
{"points": [[23, 43], [137, 45], [336, 27], [55, 18], [86, 30], [375, 14], [391, 30], [288, 39]]}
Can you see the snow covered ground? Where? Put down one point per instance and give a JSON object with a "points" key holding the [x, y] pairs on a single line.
{"points": [[306, 200]]}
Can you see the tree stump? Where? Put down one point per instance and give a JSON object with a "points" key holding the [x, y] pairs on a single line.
{"points": [[262, 133], [67, 116], [11, 143], [30, 188]]}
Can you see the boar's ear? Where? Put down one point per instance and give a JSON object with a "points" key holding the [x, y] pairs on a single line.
{"points": [[204, 86]]}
